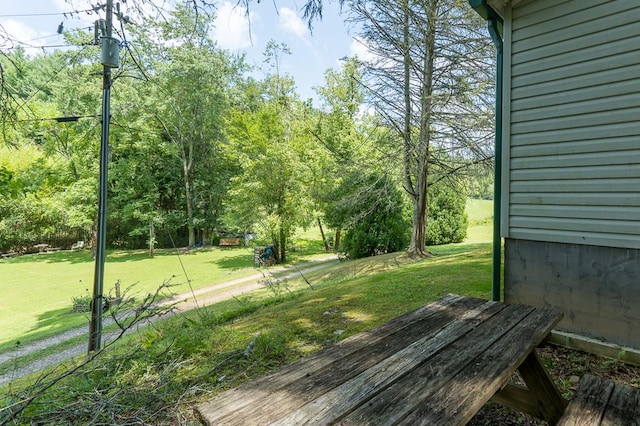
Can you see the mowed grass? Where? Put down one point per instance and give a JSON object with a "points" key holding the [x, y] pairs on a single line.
{"points": [[37, 290], [208, 349]]}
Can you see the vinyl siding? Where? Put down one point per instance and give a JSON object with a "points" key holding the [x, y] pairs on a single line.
{"points": [[573, 125]]}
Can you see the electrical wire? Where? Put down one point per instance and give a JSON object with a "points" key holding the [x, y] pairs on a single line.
{"points": [[64, 119], [70, 13]]}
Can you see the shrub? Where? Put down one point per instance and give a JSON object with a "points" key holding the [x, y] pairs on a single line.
{"points": [[381, 225], [446, 217]]}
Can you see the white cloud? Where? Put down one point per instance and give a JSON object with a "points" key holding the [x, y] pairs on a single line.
{"points": [[232, 27], [360, 50], [14, 34], [291, 22]]}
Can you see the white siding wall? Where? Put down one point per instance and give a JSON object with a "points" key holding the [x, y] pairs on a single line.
{"points": [[574, 128]]}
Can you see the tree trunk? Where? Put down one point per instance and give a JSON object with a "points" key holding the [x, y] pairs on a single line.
{"points": [[283, 245], [324, 240], [152, 237], [336, 245], [187, 194], [422, 151]]}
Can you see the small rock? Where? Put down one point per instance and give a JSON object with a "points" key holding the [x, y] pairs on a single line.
{"points": [[338, 332], [574, 380]]}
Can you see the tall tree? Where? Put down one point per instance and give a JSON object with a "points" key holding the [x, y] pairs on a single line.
{"points": [[423, 74], [193, 82], [272, 190]]}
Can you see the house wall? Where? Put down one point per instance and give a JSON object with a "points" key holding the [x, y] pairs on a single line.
{"points": [[596, 287], [571, 182], [573, 126]]}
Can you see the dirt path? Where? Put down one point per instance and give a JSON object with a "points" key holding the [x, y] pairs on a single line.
{"points": [[184, 302]]}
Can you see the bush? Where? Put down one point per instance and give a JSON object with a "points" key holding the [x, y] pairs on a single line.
{"points": [[382, 226], [446, 217]]}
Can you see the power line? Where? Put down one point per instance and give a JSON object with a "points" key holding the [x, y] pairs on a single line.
{"points": [[22, 15], [65, 14], [64, 119]]}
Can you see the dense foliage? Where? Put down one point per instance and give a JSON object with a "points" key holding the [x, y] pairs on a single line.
{"points": [[375, 218], [199, 148], [447, 217]]}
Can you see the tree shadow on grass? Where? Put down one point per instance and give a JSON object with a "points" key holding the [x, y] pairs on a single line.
{"points": [[84, 256], [235, 261], [62, 256], [56, 321]]}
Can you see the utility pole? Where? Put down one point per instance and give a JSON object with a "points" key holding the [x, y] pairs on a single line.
{"points": [[110, 59]]}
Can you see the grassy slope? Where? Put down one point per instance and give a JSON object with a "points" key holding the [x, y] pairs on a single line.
{"points": [[37, 290], [156, 376], [195, 355]]}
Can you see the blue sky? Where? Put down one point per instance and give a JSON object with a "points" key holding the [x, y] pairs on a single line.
{"points": [[280, 20]]}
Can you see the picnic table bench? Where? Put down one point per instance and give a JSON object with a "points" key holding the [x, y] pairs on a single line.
{"points": [[42, 247], [437, 365], [229, 242], [600, 401]]}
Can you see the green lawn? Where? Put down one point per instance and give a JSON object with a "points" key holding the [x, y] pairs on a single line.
{"points": [[37, 290], [208, 348]]}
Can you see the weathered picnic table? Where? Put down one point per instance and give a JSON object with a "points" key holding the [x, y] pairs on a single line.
{"points": [[437, 365]]}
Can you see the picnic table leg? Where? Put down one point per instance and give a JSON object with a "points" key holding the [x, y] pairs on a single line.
{"points": [[543, 390]]}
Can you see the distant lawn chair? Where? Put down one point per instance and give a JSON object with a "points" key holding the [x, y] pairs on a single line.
{"points": [[77, 245]]}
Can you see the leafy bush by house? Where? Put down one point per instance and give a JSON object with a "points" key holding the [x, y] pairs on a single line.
{"points": [[379, 224], [447, 220]]}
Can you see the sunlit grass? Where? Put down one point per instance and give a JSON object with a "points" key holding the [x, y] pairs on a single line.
{"points": [[37, 290], [208, 346]]}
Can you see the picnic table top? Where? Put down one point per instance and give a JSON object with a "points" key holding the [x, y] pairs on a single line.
{"points": [[437, 365]]}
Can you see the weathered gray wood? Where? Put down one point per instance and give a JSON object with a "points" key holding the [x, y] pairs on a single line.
{"points": [[623, 408], [480, 379], [455, 354], [355, 393], [599, 401], [550, 402], [519, 398], [438, 379], [251, 393], [375, 366], [589, 402], [594, 346]]}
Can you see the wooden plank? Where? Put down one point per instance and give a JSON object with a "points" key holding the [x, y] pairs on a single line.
{"points": [[481, 378], [519, 398], [340, 401], [623, 407], [440, 374], [374, 367], [229, 242], [589, 402], [550, 402], [247, 394]]}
